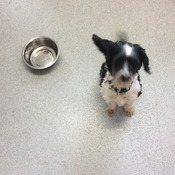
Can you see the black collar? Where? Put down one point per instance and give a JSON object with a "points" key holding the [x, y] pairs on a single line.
{"points": [[117, 90]]}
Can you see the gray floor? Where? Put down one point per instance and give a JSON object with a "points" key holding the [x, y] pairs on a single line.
{"points": [[54, 122]]}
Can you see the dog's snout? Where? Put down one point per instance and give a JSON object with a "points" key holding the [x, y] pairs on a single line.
{"points": [[125, 77]]}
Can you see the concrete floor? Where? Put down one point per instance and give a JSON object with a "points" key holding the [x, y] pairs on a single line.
{"points": [[54, 122]]}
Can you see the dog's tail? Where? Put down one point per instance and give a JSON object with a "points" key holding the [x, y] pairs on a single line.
{"points": [[122, 36]]}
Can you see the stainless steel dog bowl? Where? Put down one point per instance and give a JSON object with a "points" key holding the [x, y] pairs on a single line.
{"points": [[40, 53]]}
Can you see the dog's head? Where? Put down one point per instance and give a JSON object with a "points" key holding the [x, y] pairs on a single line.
{"points": [[123, 59]]}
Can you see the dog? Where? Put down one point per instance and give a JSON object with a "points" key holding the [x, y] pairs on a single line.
{"points": [[119, 75]]}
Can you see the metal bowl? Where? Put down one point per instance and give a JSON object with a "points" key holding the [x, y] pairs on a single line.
{"points": [[40, 53]]}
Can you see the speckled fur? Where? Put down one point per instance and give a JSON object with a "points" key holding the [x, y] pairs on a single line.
{"points": [[110, 96], [119, 78]]}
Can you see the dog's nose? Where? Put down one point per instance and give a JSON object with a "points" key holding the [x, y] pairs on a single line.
{"points": [[125, 77]]}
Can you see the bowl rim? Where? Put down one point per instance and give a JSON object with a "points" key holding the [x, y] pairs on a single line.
{"points": [[35, 38]]}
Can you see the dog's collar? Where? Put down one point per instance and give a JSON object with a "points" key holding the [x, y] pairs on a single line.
{"points": [[117, 90]]}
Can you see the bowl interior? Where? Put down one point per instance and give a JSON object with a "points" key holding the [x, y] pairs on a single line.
{"points": [[40, 53]]}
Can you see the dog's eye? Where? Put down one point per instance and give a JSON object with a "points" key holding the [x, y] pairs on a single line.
{"points": [[118, 64], [134, 64]]}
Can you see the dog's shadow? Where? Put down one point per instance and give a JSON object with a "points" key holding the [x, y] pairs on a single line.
{"points": [[117, 120]]}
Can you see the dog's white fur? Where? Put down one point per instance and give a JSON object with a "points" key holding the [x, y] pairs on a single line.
{"points": [[128, 49], [125, 70]]}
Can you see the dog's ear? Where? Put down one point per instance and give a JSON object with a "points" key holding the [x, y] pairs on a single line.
{"points": [[143, 58], [105, 46]]}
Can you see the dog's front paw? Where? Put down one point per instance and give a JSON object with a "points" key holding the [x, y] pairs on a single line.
{"points": [[129, 111], [110, 111]]}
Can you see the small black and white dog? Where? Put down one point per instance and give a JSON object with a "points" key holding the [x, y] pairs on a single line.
{"points": [[120, 80]]}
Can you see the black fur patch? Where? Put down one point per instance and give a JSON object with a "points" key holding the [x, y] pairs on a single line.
{"points": [[140, 92], [103, 71]]}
